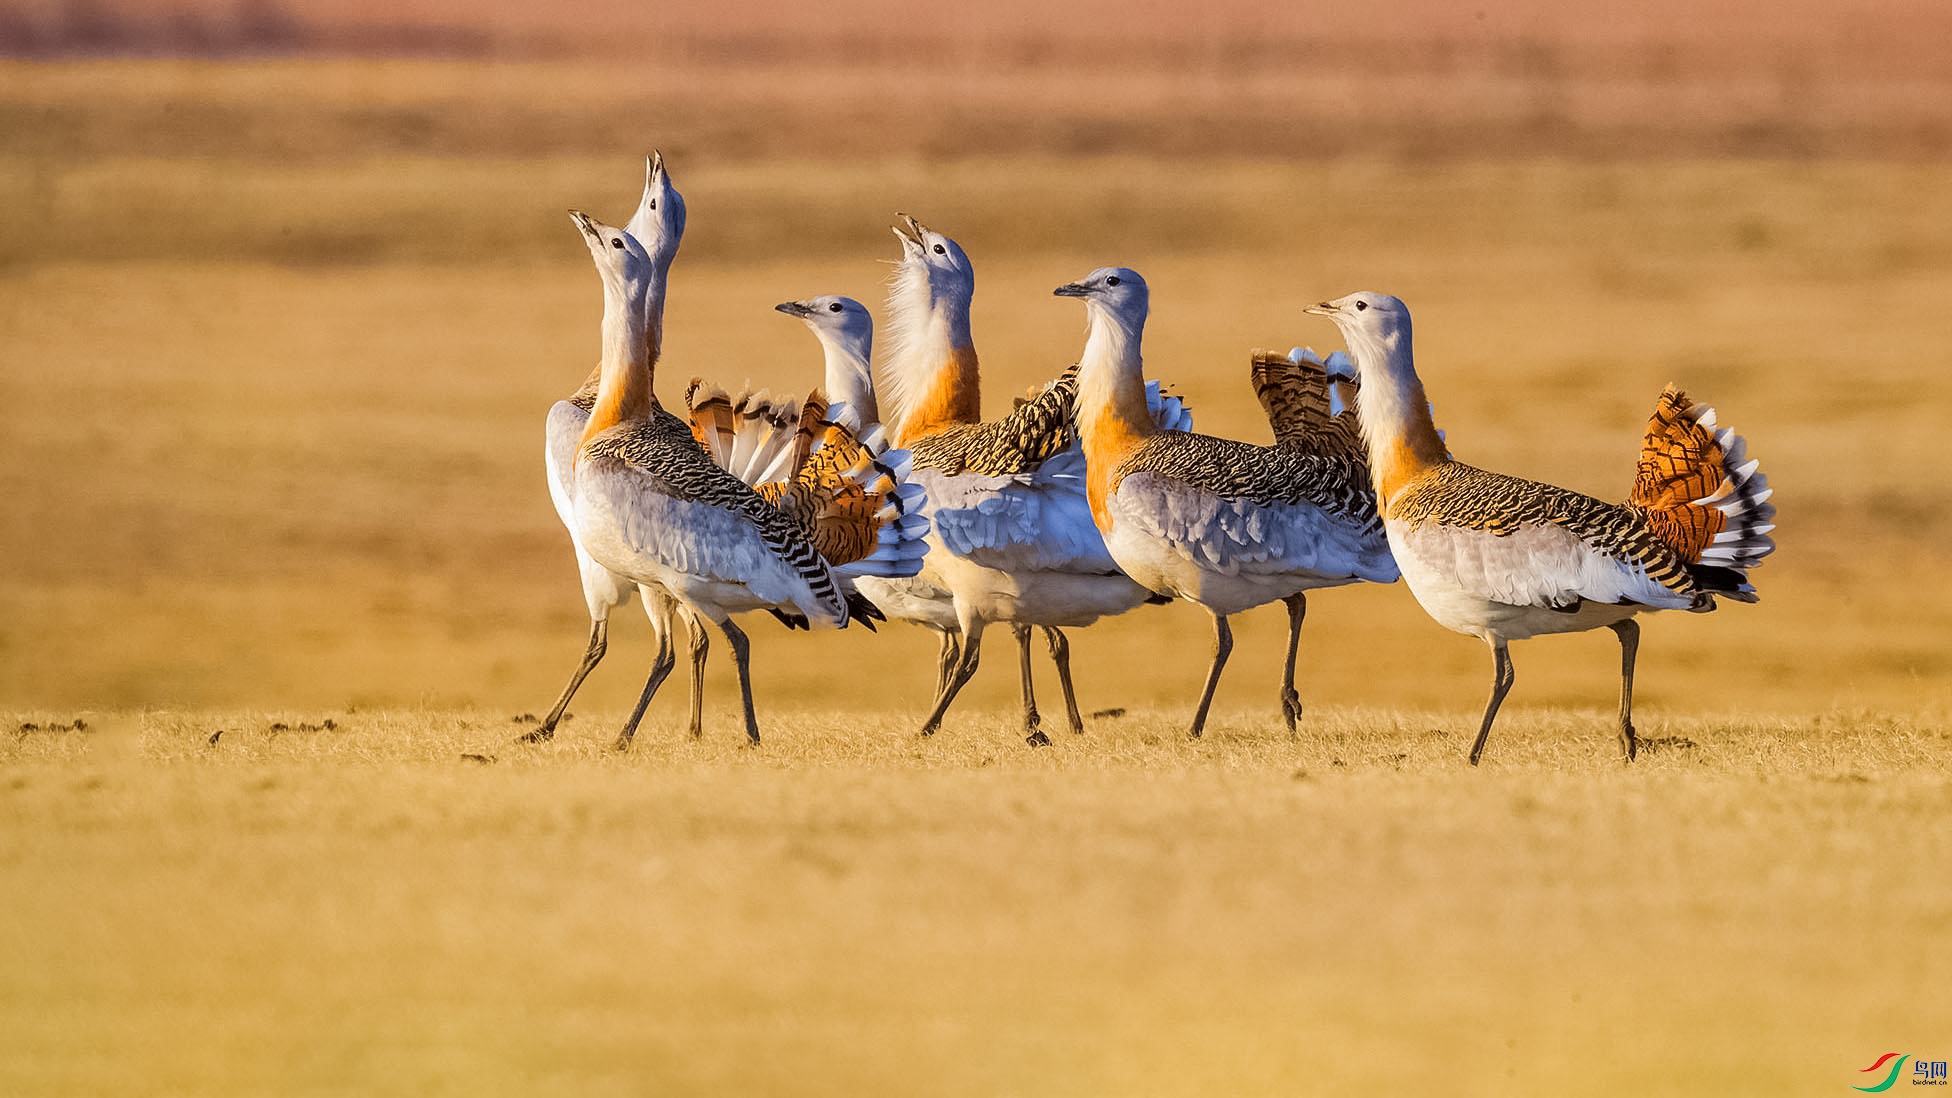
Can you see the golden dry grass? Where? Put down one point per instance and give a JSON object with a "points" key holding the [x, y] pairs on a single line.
{"points": [[367, 909], [269, 434]]}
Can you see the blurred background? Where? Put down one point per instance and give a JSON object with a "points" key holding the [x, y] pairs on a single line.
{"points": [[286, 291]]}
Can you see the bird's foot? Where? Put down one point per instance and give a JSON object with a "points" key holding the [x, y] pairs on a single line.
{"points": [[1629, 743], [1037, 739], [539, 735], [1290, 709]]}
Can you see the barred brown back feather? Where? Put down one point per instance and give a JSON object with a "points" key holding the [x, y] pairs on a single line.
{"points": [[585, 397], [1456, 494], [1232, 469], [1033, 432], [813, 420]]}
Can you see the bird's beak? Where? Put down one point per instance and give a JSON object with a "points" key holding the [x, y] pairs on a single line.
{"points": [[1072, 289], [1323, 309], [909, 233], [794, 308], [584, 222], [656, 164]]}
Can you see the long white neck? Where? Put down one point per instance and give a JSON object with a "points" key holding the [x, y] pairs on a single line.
{"points": [[1111, 414], [654, 303], [1111, 374], [1394, 412], [651, 323], [625, 373], [849, 380], [930, 373]]}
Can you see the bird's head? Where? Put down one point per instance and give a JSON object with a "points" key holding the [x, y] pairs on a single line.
{"points": [[938, 259], [659, 223], [1118, 292], [1376, 323], [620, 260], [841, 320]]}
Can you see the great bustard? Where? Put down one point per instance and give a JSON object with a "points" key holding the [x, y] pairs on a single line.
{"points": [[659, 225], [825, 461], [1012, 531], [649, 504], [1226, 524], [1502, 559], [845, 330]]}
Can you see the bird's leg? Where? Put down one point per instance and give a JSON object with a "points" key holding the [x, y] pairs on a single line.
{"points": [[701, 645], [945, 660], [1502, 676], [742, 658], [1061, 656], [1223, 646], [1291, 701], [1629, 632], [592, 655], [972, 648], [661, 666], [1032, 722]]}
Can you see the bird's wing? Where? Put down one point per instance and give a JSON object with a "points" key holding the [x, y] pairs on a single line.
{"points": [[562, 432], [1516, 541], [658, 496], [1039, 521], [1233, 506]]}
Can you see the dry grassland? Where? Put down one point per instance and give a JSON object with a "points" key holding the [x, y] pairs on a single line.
{"points": [[375, 908], [271, 390]]}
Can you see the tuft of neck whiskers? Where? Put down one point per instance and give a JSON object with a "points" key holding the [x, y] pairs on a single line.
{"points": [[930, 377]]}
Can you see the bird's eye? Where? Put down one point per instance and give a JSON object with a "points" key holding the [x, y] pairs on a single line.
{"points": [[1361, 305], [653, 203], [1112, 281], [940, 250], [617, 243], [834, 308]]}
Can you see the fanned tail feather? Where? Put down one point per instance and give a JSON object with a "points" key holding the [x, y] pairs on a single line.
{"points": [[755, 437], [1703, 496], [846, 488], [1168, 411], [1300, 394], [853, 498]]}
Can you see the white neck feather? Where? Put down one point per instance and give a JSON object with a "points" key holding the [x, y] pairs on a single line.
{"points": [[1111, 374], [1392, 407], [653, 323], [1111, 362], [922, 330], [849, 379]]}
